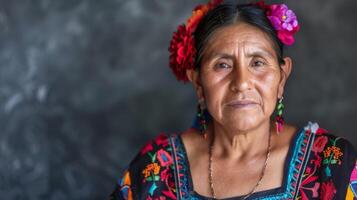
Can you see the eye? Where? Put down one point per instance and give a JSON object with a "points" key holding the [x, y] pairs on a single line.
{"points": [[258, 63], [222, 65]]}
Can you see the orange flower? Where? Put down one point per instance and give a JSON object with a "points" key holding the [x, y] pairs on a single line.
{"points": [[334, 151], [197, 14], [151, 168]]}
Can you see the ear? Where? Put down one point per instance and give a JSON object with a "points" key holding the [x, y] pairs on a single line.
{"points": [[285, 70], [194, 77]]}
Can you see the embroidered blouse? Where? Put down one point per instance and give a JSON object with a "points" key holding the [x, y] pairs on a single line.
{"points": [[319, 165]]}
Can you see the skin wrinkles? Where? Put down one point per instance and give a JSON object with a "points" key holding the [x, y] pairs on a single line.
{"points": [[239, 64]]}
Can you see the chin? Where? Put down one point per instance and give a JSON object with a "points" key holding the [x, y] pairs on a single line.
{"points": [[243, 124]]}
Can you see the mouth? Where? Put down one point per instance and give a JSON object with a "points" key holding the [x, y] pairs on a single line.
{"points": [[242, 104]]}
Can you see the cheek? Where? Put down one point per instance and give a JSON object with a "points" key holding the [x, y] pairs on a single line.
{"points": [[214, 90], [267, 86]]}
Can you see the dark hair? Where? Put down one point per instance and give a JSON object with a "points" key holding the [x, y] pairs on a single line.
{"points": [[227, 14]]}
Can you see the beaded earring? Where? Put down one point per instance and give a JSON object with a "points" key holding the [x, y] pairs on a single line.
{"points": [[279, 120], [201, 117]]}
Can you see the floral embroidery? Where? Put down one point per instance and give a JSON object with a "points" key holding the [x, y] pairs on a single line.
{"points": [[164, 158], [319, 144], [151, 171], [332, 155], [309, 178], [325, 152], [158, 171], [328, 190], [316, 160], [125, 184]]}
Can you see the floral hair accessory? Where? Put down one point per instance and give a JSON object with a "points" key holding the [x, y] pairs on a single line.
{"points": [[182, 46], [283, 20]]}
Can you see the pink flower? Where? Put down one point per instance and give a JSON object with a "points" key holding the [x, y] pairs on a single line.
{"points": [[283, 20], [319, 144], [164, 158]]}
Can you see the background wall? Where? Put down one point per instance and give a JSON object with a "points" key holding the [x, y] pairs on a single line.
{"points": [[85, 83]]}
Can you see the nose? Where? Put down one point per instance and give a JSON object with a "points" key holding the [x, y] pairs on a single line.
{"points": [[241, 79]]}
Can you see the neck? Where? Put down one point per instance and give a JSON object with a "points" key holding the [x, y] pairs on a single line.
{"points": [[240, 145]]}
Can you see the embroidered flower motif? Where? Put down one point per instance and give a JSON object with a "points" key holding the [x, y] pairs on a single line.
{"points": [[319, 144], [321, 131], [161, 140], [332, 155], [148, 147], [151, 169], [164, 158], [158, 173], [328, 190], [125, 186], [309, 177], [283, 20]]}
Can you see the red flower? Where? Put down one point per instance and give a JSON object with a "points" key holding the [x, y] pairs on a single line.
{"points": [[287, 37], [327, 191], [162, 140], [164, 158], [182, 46], [182, 52], [148, 147], [321, 131], [319, 144]]}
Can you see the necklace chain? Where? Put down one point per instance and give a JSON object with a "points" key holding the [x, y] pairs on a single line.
{"points": [[210, 177]]}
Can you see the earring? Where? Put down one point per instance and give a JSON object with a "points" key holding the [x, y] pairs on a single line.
{"points": [[201, 117], [279, 120]]}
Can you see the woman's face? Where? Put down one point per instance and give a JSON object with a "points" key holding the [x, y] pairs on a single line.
{"points": [[240, 77]]}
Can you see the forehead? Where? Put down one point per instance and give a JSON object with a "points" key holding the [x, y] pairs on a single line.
{"points": [[240, 35]]}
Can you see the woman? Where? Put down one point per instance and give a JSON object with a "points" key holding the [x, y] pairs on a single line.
{"points": [[233, 56]]}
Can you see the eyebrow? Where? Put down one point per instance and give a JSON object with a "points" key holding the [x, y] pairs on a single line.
{"points": [[254, 53], [221, 55], [260, 53]]}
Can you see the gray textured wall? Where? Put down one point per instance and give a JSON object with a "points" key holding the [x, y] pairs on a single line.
{"points": [[84, 84]]}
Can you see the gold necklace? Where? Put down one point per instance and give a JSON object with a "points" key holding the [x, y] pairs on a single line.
{"points": [[210, 177]]}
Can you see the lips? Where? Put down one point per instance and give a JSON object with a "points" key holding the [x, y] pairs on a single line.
{"points": [[242, 103]]}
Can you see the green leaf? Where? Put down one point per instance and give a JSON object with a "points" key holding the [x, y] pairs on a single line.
{"points": [[328, 171], [156, 178], [153, 158]]}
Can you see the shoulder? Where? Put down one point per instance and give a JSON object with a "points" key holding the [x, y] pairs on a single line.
{"points": [[331, 161], [156, 152], [151, 172], [334, 149]]}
